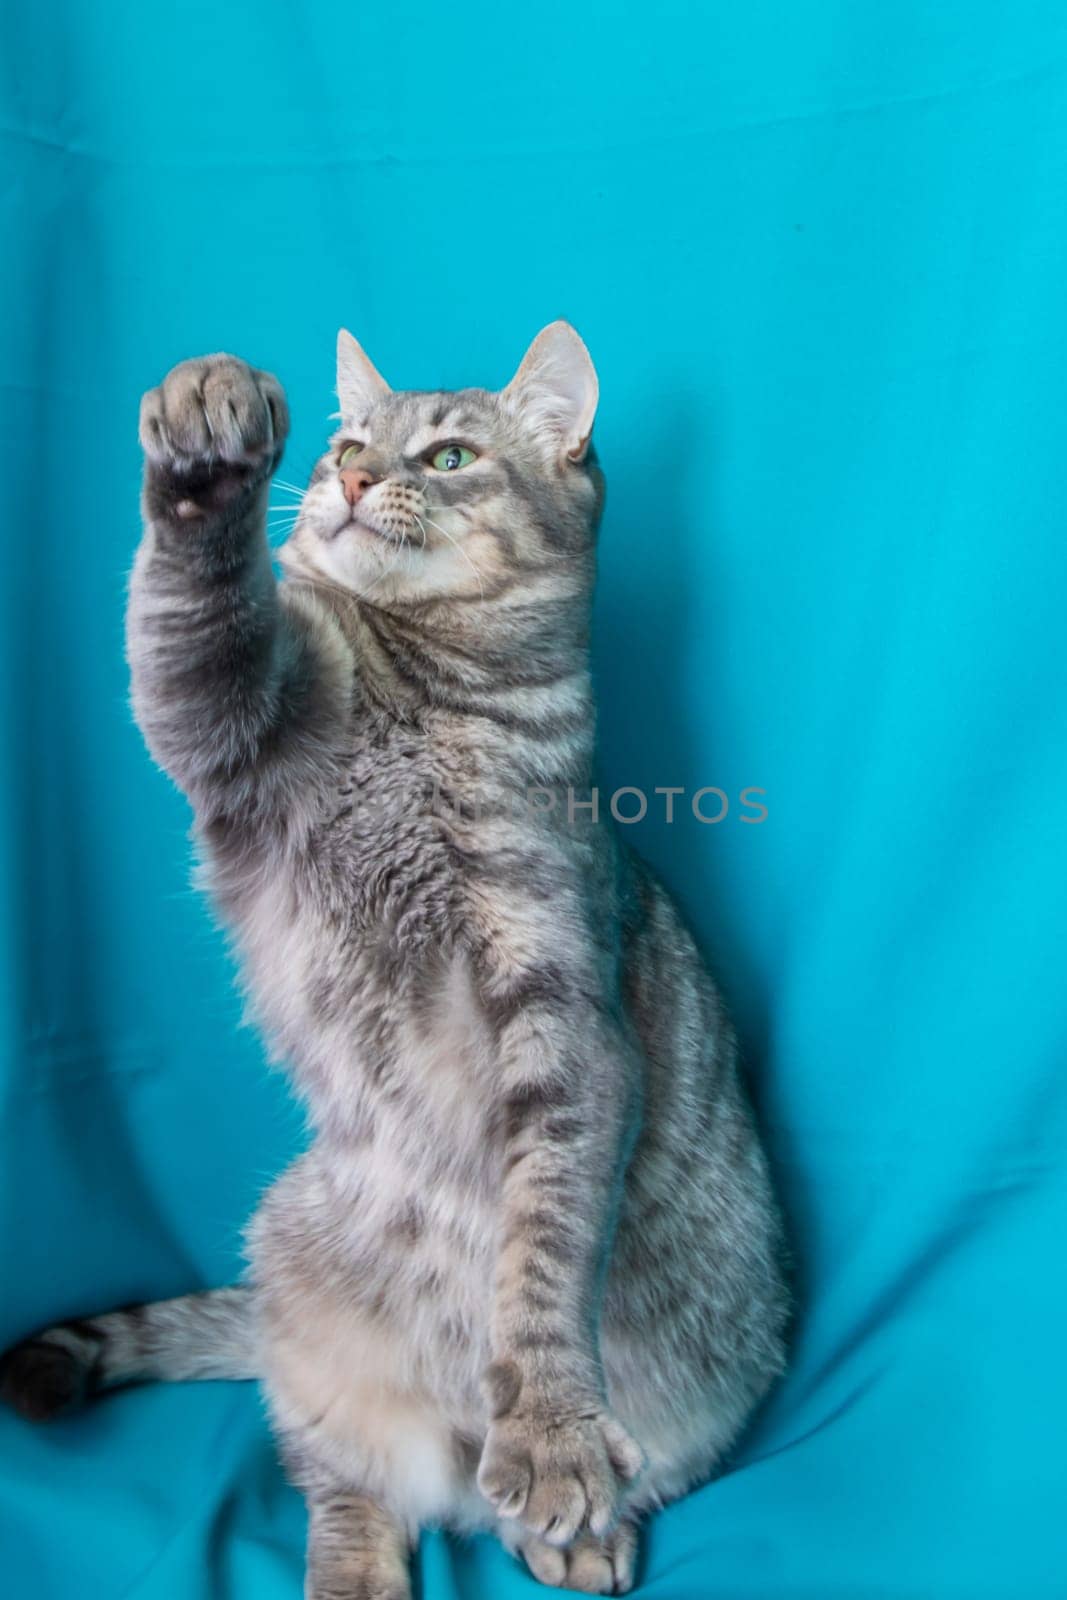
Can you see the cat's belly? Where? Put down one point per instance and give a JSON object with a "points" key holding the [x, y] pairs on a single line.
{"points": [[374, 1293], [349, 1390], [374, 1255]]}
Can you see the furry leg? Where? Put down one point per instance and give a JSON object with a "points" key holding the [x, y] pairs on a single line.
{"points": [[356, 1550]]}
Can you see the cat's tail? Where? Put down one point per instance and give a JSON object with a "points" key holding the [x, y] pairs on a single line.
{"points": [[208, 1335]]}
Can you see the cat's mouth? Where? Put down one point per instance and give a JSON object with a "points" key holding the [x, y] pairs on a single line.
{"points": [[388, 535]]}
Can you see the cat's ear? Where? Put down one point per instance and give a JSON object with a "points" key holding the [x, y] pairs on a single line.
{"points": [[359, 383], [555, 390]]}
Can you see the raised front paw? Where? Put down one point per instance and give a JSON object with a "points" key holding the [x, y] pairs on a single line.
{"points": [[558, 1474], [213, 426]]}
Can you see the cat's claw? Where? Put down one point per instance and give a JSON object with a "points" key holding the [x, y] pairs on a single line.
{"points": [[558, 1475]]}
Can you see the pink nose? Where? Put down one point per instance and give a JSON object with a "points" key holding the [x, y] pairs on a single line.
{"points": [[355, 481]]}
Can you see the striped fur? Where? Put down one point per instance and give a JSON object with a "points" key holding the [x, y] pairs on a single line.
{"points": [[528, 1274], [209, 1335]]}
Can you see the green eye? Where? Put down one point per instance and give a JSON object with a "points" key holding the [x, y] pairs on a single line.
{"points": [[452, 457], [349, 454]]}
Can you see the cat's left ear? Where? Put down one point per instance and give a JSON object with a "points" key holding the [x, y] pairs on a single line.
{"points": [[359, 383], [555, 390]]}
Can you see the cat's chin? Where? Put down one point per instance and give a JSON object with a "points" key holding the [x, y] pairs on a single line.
{"points": [[359, 525], [356, 557]]}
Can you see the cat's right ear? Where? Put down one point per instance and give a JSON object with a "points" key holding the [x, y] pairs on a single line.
{"points": [[555, 390], [359, 383]]}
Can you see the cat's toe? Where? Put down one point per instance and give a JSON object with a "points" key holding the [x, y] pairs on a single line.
{"points": [[589, 1566], [548, 1565], [213, 412]]}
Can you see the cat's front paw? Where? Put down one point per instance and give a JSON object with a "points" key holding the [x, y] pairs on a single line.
{"points": [[558, 1473], [214, 427]]}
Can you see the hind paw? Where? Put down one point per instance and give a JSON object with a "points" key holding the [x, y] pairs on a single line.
{"points": [[590, 1565]]}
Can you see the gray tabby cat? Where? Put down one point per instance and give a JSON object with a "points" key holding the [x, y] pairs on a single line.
{"points": [[528, 1275]]}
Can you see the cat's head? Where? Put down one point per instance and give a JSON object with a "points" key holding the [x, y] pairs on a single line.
{"points": [[428, 495]]}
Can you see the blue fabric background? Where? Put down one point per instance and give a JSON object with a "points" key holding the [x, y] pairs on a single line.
{"points": [[818, 251]]}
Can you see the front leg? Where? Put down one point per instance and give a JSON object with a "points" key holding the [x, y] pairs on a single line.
{"points": [[554, 1457], [236, 686]]}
